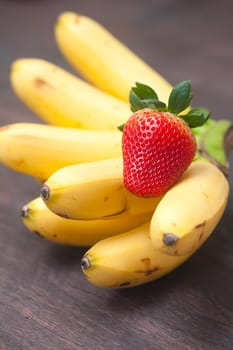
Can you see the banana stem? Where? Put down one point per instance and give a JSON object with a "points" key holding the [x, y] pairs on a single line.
{"points": [[228, 141], [215, 142]]}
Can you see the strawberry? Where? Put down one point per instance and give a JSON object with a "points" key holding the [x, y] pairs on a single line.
{"points": [[157, 143]]}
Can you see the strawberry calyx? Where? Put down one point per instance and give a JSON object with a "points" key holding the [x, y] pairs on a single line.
{"points": [[143, 96], [214, 137]]}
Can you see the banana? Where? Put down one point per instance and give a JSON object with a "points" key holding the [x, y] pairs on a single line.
{"points": [[134, 240], [104, 60], [39, 150], [93, 190], [40, 220], [127, 260], [62, 99], [190, 210], [182, 221]]}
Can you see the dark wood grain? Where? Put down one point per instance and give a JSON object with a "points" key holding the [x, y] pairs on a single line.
{"points": [[45, 302]]}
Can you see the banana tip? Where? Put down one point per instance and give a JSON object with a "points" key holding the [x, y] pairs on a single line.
{"points": [[45, 192], [170, 239], [67, 17], [85, 263], [25, 211]]}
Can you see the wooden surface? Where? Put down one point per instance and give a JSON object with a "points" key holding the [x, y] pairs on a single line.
{"points": [[45, 302]]}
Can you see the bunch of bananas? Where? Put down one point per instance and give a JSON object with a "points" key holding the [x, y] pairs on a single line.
{"points": [[78, 158]]}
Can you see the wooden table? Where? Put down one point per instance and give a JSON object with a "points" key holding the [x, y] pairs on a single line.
{"points": [[45, 301]]}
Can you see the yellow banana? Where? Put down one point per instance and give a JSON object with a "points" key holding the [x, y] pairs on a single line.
{"points": [[133, 258], [39, 150], [40, 220], [62, 99], [127, 260], [104, 60], [93, 190], [190, 210]]}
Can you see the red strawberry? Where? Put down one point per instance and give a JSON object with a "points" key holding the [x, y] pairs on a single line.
{"points": [[157, 144]]}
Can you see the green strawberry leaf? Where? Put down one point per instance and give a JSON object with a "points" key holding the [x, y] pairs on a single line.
{"points": [[180, 97], [143, 96], [121, 127], [135, 102], [144, 91], [196, 117], [154, 104]]}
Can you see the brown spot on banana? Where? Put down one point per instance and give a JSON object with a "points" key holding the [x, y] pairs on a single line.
{"points": [[201, 236], [119, 285], [124, 284], [62, 215], [202, 224], [38, 234], [148, 268], [39, 82], [148, 271], [146, 261], [77, 19], [5, 127], [205, 195], [19, 163]]}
